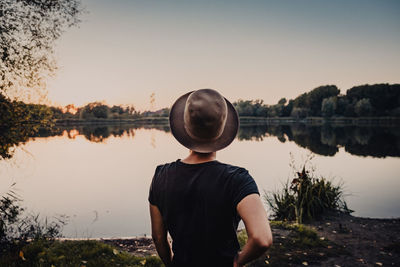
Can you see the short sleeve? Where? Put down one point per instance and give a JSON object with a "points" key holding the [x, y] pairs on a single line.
{"points": [[243, 185], [153, 188]]}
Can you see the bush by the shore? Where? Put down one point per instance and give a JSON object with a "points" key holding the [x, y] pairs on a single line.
{"points": [[306, 197]]}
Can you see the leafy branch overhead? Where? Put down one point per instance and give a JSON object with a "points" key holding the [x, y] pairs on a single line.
{"points": [[28, 31]]}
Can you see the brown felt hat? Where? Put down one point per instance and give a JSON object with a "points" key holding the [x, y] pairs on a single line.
{"points": [[203, 121]]}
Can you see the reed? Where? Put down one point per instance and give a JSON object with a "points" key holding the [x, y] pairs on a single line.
{"points": [[306, 198]]}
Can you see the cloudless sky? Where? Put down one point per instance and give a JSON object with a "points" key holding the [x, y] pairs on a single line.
{"points": [[125, 50]]}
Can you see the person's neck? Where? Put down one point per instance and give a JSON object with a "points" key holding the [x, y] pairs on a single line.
{"points": [[196, 157]]}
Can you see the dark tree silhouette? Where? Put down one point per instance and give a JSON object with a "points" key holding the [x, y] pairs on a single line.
{"points": [[28, 31]]}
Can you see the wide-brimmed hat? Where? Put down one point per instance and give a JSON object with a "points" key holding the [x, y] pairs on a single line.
{"points": [[203, 121]]}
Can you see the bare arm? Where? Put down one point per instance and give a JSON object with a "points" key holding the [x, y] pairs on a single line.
{"points": [[258, 230], [159, 234]]}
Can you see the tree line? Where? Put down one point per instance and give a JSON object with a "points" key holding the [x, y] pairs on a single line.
{"points": [[99, 110], [326, 101]]}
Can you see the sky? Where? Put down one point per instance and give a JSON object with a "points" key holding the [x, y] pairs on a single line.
{"points": [[125, 50]]}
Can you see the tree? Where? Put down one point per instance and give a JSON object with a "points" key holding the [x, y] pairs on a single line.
{"points": [[101, 111], [363, 107], [94, 110], [328, 107], [300, 112], [341, 105], [117, 109], [28, 31], [287, 110], [382, 97], [316, 96], [300, 101], [251, 107], [282, 101], [243, 107], [259, 109], [276, 110], [18, 122]]}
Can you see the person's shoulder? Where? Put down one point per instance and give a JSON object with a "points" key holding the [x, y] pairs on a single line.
{"points": [[234, 170], [166, 166]]}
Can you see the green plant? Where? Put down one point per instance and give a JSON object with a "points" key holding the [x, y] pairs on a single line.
{"points": [[74, 253], [306, 197], [18, 228]]}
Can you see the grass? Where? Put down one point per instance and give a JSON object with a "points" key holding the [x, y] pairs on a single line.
{"points": [[74, 253]]}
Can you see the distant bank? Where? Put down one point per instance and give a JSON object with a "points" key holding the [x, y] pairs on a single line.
{"points": [[245, 120]]}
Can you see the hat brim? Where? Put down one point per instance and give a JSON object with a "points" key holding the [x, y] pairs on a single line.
{"points": [[176, 123]]}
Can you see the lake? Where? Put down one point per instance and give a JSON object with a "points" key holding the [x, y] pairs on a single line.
{"points": [[99, 176]]}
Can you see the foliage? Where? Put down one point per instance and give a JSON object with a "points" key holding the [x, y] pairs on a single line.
{"points": [[383, 97], [282, 101], [316, 96], [19, 121], [251, 108], [343, 107], [282, 203], [74, 253], [313, 99], [363, 107], [328, 107], [9, 212], [276, 110], [287, 109], [28, 31], [99, 110], [94, 110], [384, 100], [300, 112], [306, 197], [17, 228], [324, 98]]}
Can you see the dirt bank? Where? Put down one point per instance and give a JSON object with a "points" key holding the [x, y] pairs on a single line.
{"points": [[352, 241]]}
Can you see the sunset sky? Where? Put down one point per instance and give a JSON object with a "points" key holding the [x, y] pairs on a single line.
{"points": [[125, 50]]}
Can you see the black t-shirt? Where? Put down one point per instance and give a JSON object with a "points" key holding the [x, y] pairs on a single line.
{"points": [[198, 205]]}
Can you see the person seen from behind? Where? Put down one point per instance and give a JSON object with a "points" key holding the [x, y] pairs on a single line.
{"points": [[200, 201]]}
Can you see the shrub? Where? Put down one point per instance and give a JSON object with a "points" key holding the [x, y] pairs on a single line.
{"points": [[17, 228], [306, 197]]}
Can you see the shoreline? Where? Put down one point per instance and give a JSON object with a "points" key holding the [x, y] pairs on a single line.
{"points": [[145, 236], [315, 121], [352, 241]]}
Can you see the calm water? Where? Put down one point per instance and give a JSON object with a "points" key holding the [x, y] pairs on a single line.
{"points": [[99, 176]]}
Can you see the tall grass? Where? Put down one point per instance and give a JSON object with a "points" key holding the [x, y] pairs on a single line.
{"points": [[17, 227], [306, 197]]}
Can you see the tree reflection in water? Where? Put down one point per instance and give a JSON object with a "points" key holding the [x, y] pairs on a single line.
{"points": [[375, 141]]}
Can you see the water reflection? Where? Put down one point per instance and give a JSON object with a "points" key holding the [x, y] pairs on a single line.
{"points": [[97, 133], [323, 140], [326, 140], [375, 141]]}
